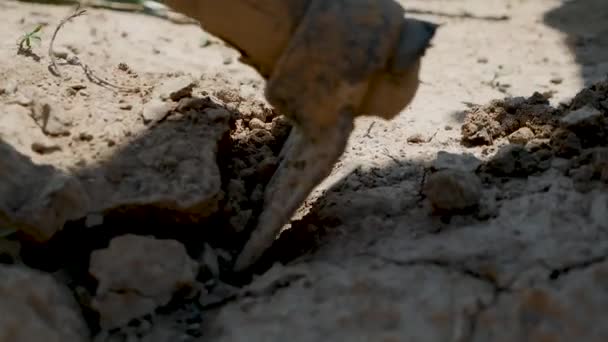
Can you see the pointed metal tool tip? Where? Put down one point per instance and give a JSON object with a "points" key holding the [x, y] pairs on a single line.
{"points": [[430, 28]]}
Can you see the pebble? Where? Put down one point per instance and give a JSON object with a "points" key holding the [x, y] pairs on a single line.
{"points": [[417, 139], [521, 136], [456, 161], [582, 116], [453, 190], [175, 88], [155, 111]]}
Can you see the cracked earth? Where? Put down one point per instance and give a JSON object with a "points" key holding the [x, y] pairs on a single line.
{"points": [[478, 214]]}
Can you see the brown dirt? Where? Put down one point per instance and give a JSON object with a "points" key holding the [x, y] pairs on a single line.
{"points": [[379, 252]]}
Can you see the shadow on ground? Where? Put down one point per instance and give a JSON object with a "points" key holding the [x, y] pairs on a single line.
{"points": [[585, 22], [165, 183]]}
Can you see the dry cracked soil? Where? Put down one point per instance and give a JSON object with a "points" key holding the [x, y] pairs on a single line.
{"points": [[131, 178]]}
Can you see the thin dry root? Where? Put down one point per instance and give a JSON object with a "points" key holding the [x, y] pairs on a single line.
{"points": [[77, 13], [76, 61]]}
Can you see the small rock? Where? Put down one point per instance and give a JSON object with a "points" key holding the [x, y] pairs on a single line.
{"points": [[521, 136], [85, 136], [256, 123], [582, 174], [43, 148], [137, 274], [176, 88], [116, 308], [218, 114], [589, 125], [482, 60], [417, 139], [35, 308], [557, 80], [210, 261], [124, 67], [155, 111], [538, 144], [479, 136], [565, 143], [93, 220], [453, 190], [220, 293], [596, 161], [454, 161], [126, 106], [581, 116], [37, 199], [585, 97], [280, 127], [78, 87], [517, 161], [43, 114]]}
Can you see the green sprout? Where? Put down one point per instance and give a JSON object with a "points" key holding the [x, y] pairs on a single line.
{"points": [[25, 42]]}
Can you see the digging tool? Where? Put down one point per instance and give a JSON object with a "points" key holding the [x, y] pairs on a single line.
{"points": [[325, 62]]}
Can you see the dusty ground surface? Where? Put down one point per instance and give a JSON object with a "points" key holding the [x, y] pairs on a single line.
{"points": [[470, 217]]}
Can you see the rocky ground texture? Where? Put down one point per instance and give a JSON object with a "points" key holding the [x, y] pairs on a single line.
{"points": [[129, 185]]}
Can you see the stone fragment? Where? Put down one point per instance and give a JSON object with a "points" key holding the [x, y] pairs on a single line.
{"points": [[453, 190], [35, 308], [137, 274]]}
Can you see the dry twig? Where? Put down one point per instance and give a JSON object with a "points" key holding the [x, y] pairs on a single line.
{"points": [[74, 60], [77, 12], [462, 15]]}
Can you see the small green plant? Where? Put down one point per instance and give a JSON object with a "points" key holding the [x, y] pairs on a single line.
{"points": [[25, 42]]}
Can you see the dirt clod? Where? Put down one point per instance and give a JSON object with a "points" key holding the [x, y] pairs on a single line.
{"points": [[454, 161], [136, 275], [37, 308], [518, 161], [565, 143], [155, 111], [500, 118], [47, 119], [418, 139], [521, 136], [37, 200], [453, 190], [175, 89]]}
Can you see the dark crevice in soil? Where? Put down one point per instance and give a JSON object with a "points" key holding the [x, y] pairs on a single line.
{"points": [[558, 273]]}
